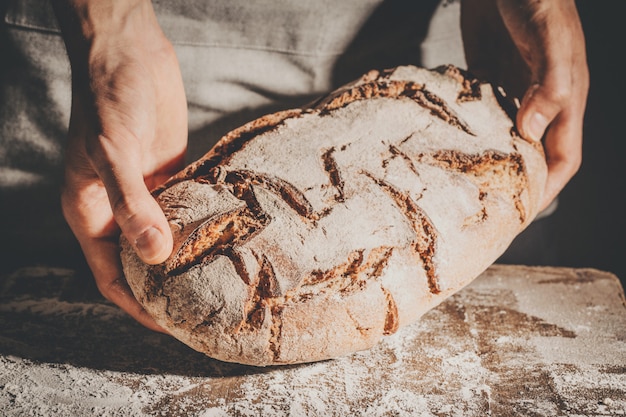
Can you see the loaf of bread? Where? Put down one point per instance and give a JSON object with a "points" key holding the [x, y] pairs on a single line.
{"points": [[311, 233]]}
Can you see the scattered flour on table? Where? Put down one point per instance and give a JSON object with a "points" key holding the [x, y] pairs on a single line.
{"points": [[370, 383], [434, 367]]}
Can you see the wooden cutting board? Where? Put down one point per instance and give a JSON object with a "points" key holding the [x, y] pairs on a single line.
{"points": [[518, 341]]}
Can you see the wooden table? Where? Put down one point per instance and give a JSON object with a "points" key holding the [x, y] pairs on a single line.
{"points": [[518, 341]]}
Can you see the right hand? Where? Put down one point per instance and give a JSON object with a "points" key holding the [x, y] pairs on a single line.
{"points": [[535, 50], [550, 39], [127, 134]]}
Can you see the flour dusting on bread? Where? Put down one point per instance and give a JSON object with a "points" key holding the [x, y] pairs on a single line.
{"points": [[311, 233]]}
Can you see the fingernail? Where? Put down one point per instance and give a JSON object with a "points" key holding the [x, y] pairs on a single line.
{"points": [[149, 244], [537, 126]]}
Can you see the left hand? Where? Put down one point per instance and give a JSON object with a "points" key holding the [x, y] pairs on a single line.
{"points": [[127, 134], [535, 50]]}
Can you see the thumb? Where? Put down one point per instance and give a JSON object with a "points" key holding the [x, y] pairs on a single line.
{"points": [[137, 213], [540, 106], [552, 112]]}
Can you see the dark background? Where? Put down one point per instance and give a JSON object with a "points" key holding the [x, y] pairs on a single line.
{"points": [[589, 225]]}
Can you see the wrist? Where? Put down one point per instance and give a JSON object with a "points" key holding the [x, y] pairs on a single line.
{"points": [[90, 27]]}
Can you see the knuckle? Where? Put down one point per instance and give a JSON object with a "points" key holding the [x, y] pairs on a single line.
{"points": [[111, 290], [123, 209], [569, 164], [574, 164], [559, 93], [131, 214]]}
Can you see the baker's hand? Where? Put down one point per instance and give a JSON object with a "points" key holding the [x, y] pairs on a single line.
{"points": [[127, 134], [536, 50]]}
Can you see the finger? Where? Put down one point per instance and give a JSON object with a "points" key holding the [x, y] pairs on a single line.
{"points": [[563, 134], [543, 113], [88, 213], [542, 102], [138, 215], [549, 40], [102, 256], [563, 146], [548, 112]]}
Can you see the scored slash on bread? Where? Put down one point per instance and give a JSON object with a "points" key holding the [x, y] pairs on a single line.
{"points": [[311, 233]]}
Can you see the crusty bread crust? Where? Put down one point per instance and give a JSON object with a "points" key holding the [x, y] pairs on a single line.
{"points": [[311, 233]]}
